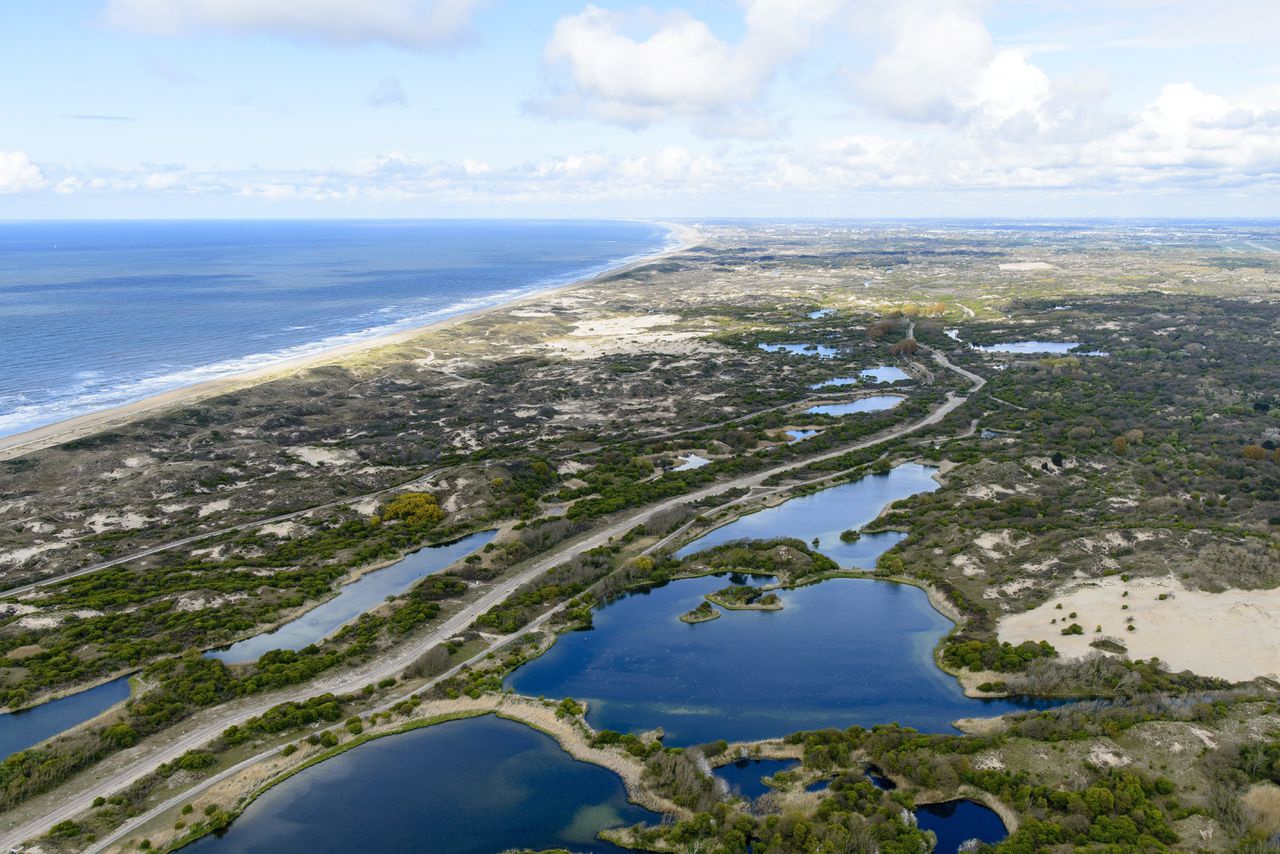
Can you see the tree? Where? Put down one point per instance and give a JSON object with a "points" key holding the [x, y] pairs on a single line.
{"points": [[413, 508]]}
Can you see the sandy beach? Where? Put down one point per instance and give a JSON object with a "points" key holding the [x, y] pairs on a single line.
{"points": [[94, 422]]}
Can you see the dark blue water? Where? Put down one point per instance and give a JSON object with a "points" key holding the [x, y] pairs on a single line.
{"points": [[827, 514], [20, 730], [95, 314], [745, 777], [875, 403], [474, 786], [361, 595], [845, 651], [956, 822]]}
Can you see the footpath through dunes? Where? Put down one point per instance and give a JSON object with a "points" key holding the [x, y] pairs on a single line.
{"points": [[76, 796]]}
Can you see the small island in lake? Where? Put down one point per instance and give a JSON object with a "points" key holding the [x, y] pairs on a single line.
{"points": [[740, 597], [702, 614]]}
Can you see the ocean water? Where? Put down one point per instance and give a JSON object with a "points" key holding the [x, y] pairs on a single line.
{"points": [[96, 314]]}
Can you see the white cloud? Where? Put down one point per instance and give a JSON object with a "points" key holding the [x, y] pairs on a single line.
{"points": [[413, 24], [18, 174], [678, 66], [387, 93]]}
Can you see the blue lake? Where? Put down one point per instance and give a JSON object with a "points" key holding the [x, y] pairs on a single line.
{"points": [[474, 786], [881, 374], [956, 822], [745, 777], [826, 514], [801, 350], [820, 313], [845, 651], [20, 730], [366, 592], [875, 403]]}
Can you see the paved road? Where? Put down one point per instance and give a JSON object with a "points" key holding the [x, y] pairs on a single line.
{"points": [[65, 804]]}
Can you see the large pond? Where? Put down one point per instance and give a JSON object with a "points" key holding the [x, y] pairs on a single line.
{"points": [[801, 350], [957, 822], [20, 730], [875, 403], [827, 514], [354, 599], [842, 652], [473, 786]]}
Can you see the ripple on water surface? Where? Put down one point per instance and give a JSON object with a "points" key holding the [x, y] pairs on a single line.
{"points": [[842, 652], [473, 786]]}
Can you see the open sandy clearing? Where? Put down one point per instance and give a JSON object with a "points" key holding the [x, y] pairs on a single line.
{"points": [[1233, 635]]}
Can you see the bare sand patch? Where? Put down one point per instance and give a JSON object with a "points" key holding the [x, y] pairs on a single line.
{"points": [[20, 556], [322, 456], [1026, 266], [1232, 635], [214, 507]]}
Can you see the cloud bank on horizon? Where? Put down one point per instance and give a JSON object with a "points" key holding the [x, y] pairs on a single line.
{"points": [[703, 107]]}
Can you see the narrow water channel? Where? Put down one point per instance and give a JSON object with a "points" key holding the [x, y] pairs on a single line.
{"points": [[26, 728], [354, 599], [826, 515]]}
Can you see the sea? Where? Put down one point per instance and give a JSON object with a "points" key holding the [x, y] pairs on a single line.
{"points": [[99, 314]]}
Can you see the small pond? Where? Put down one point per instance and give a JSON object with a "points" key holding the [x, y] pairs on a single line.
{"points": [[881, 374], [821, 312], [818, 350], [692, 461], [23, 729], [845, 651], [1034, 347], [956, 822], [366, 592], [826, 514], [745, 777], [472, 786], [794, 436], [875, 403]]}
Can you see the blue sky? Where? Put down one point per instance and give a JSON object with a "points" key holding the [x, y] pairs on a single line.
{"points": [[179, 108]]}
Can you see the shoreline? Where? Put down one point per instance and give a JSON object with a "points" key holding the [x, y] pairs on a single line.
{"points": [[79, 426]]}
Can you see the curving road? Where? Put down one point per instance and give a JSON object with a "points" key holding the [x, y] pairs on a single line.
{"points": [[77, 795]]}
